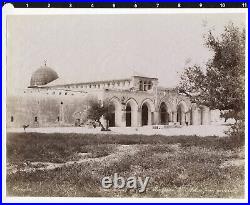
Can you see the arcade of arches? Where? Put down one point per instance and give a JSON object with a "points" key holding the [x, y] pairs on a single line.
{"points": [[133, 115]]}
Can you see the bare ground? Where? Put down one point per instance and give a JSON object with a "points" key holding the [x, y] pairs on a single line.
{"points": [[185, 166]]}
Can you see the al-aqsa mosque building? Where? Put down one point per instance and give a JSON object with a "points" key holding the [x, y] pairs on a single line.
{"points": [[137, 101]]}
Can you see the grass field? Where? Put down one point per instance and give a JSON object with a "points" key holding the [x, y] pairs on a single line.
{"points": [[74, 164]]}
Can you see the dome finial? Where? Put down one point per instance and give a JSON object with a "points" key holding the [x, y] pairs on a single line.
{"points": [[45, 62]]}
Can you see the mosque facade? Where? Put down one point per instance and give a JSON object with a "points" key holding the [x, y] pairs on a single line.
{"points": [[137, 101]]}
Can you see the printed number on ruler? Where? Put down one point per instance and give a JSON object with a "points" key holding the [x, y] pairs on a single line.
{"points": [[222, 5]]}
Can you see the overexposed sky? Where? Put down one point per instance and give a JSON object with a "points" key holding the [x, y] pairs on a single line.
{"points": [[98, 47]]}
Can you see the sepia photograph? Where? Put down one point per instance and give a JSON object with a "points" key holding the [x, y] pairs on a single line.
{"points": [[126, 105]]}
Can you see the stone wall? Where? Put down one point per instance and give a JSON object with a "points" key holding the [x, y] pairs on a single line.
{"points": [[132, 108], [40, 111]]}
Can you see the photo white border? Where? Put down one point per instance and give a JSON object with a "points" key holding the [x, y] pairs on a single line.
{"points": [[8, 9]]}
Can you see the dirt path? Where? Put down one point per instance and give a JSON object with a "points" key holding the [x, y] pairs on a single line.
{"points": [[120, 152]]}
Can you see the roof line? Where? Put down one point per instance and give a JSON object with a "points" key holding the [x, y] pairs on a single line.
{"points": [[84, 83]]}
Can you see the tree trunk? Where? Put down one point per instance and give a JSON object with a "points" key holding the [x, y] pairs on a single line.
{"points": [[107, 125], [103, 128]]}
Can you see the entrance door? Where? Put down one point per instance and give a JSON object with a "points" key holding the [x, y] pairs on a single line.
{"points": [[111, 120], [144, 115], [163, 114], [128, 116], [179, 115]]}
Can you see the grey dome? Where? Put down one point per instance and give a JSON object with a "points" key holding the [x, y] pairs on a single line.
{"points": [[43, 76]]}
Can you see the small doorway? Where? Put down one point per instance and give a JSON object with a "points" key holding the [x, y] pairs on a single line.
{"points": [[179, 115], [128, 116], [164, 117], [144, 115], [111, 120]]}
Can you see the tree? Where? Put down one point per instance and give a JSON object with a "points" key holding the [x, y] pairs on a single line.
{"points": [[221, 83], [96, 111]]}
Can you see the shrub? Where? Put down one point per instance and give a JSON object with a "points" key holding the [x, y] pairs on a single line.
{"points": [[237, 133]]}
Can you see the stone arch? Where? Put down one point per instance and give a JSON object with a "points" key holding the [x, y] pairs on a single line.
{"points": [[116, 99], [183, 105], [169, 104], [131, 108], [115, 110], [171, 109], [163, 114], [182, 109], [147, 109], [200, 115], [149, 103]]}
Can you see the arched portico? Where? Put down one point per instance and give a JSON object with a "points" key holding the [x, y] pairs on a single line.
{"points": [[128, 116], [145, 115], [200, 115], [166, 111], [131, 113], [163, 114], [147, 112], [182, 109], [115, 109]]}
